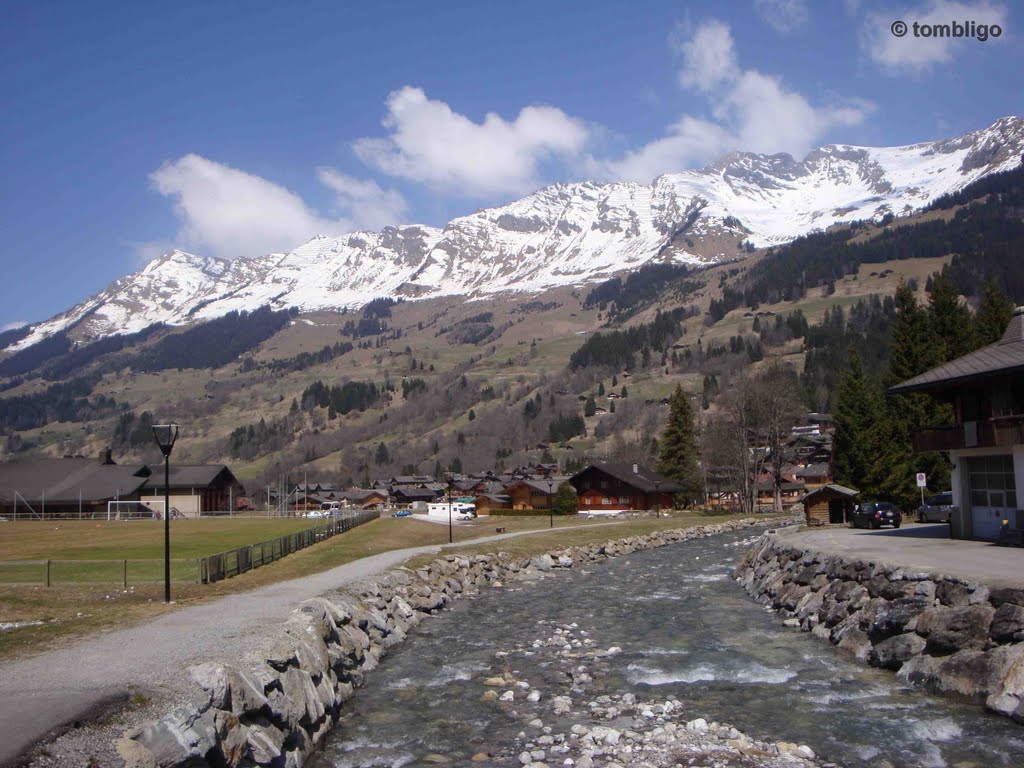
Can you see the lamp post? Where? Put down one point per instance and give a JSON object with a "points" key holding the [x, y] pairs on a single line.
{"points": [[165, 435], [551, 510], [448, 477], [657, 500]]}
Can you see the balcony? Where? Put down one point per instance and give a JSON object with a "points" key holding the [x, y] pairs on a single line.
{"points": [[998, 432]]}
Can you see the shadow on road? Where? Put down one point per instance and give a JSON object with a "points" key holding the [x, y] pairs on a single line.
{"points": [[920, 531]]}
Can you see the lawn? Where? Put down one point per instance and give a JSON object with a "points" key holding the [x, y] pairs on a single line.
{"points": [[75, 610]]}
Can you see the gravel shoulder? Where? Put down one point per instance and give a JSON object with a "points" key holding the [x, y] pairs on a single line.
{"points": [[46, 694]]}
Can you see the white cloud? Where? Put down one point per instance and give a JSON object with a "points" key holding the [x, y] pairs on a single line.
{"points": [[430, 143], [230, 213], [709, 57], [12, 325], [367, 204], [784, 15], [917, 54], [752, 111]]}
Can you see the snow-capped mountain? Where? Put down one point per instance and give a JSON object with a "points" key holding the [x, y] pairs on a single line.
{"points": [[565, 234]]}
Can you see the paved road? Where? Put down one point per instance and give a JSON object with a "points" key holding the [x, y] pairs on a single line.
{"points": [[41, 695], [920, 548]]}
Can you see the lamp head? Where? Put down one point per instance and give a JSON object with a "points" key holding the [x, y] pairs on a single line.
{"points": [[165, 435]]}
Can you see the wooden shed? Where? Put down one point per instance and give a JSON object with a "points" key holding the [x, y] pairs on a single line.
{"points": [[831, 504]]}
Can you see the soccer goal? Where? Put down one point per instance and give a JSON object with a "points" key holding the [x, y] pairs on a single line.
{"points": [[150, 509]]}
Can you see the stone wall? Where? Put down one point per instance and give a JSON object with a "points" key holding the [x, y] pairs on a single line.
{"points": [[946, 634], [276, 705]]}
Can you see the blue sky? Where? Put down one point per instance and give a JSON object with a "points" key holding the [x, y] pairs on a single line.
{"points": [[236, 129]]}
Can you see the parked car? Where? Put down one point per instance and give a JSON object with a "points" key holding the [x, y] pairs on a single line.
{"points": [[937, 508], [875, 514], [402, 513]]}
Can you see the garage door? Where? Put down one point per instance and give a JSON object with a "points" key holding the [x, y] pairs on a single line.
{"points": [[993, 493]]}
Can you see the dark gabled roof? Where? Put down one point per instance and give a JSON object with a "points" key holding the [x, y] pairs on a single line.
{"points": [[643, 479], [842, 490], [537, 485], [813, 470], [1005, 356], [62, 480], [501, 498], [414, 493], [191, 475]]}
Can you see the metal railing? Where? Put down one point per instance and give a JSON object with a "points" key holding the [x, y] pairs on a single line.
{"points": [[233, 562], [125, 573]]}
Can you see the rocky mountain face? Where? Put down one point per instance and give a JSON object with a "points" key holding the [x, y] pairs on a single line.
{"points": [[564, 234]]}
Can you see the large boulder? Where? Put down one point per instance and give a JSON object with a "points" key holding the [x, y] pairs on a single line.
{"points": [[949, 630], [1007, 623], [894, 652], [1007, 681]]}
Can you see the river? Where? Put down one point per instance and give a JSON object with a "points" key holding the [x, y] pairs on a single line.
{"points": [[685, 630]]}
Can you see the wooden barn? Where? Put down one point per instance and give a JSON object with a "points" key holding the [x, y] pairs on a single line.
{"points": [[831, 504]]}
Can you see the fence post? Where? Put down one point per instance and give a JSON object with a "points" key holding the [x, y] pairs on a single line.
{"points": [[124, 573], [47, 573]]}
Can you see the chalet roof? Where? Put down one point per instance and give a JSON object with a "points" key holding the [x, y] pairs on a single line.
{"points": [[190, 475], [501, 498], [360, 494], [813, 470], [643, 479], [842, 490], [62, 480], [415, 493], [1005, 356], [537, 484]]}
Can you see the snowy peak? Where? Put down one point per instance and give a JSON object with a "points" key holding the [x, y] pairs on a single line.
{"points": [[563, 234]]}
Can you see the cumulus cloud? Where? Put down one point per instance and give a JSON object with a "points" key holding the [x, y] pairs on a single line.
{"points": [[915, 54], [751, 111], [709, 57], [364, 199], [784, 15], [430, 143], [227, 212]]}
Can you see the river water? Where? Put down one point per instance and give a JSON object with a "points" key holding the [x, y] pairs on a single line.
{"points": [[686, 630]]}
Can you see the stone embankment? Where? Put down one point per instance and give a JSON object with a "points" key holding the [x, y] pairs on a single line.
{"points": [[947, 634], [275, 706]]}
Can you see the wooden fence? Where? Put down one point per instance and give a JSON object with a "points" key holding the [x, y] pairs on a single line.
{"points": [[235, 561]]}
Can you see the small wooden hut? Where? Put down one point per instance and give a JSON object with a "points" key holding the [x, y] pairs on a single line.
{"points": [[831, 504]]}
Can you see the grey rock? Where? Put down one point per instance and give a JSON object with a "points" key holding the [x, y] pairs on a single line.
{"points": [[1007, 623], [894, 652]]}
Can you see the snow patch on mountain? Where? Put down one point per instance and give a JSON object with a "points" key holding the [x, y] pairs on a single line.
{"points": [[564, 234]]}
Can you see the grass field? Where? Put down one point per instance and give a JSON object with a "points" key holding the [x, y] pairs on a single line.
{"points": [[72, 611]]}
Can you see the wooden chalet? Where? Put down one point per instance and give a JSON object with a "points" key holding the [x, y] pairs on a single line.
{"points": [[613, 486], [830, 504]]}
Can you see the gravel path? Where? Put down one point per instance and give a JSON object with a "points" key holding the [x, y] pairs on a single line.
{"points": [[44, 694]]}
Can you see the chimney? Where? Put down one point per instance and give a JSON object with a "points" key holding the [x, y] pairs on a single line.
{"points": [[636, 469], [105, 457]]}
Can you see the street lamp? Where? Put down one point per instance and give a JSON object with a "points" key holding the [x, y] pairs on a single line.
{"points": [[450, 481], [657, 500], [165, 435], [551, 510]]}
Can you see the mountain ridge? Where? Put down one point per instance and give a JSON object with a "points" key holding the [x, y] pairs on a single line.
{"points": [[562, 234]]}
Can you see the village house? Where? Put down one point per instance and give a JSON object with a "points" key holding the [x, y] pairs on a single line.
{"points": [[986, 439], [830, 504], [616, 487], [532, 494]]}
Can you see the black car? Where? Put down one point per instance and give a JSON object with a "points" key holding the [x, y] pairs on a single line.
{"points": [[936, 509], [875, 514]]}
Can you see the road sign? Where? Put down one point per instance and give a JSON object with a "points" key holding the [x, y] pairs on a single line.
{"points": [[922, 481]]}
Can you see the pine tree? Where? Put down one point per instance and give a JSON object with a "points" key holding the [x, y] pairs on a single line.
{"points": [[949, 318], [600, 388], [611, 407], [382, 456], [590, 407], [565, 502], [913, 350], [858, 407], [678, 457], [993, 315], [472, 415]]}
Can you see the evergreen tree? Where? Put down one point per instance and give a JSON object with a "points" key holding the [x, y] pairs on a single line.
{"points": [[993, 315], [912, 351], [456, 466], [949, 318], [382, 456], [611, 407], [590, 407], [438, 472], [678, 456], [564, 502], [472, 415], [600, 388], [858, 407]]}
